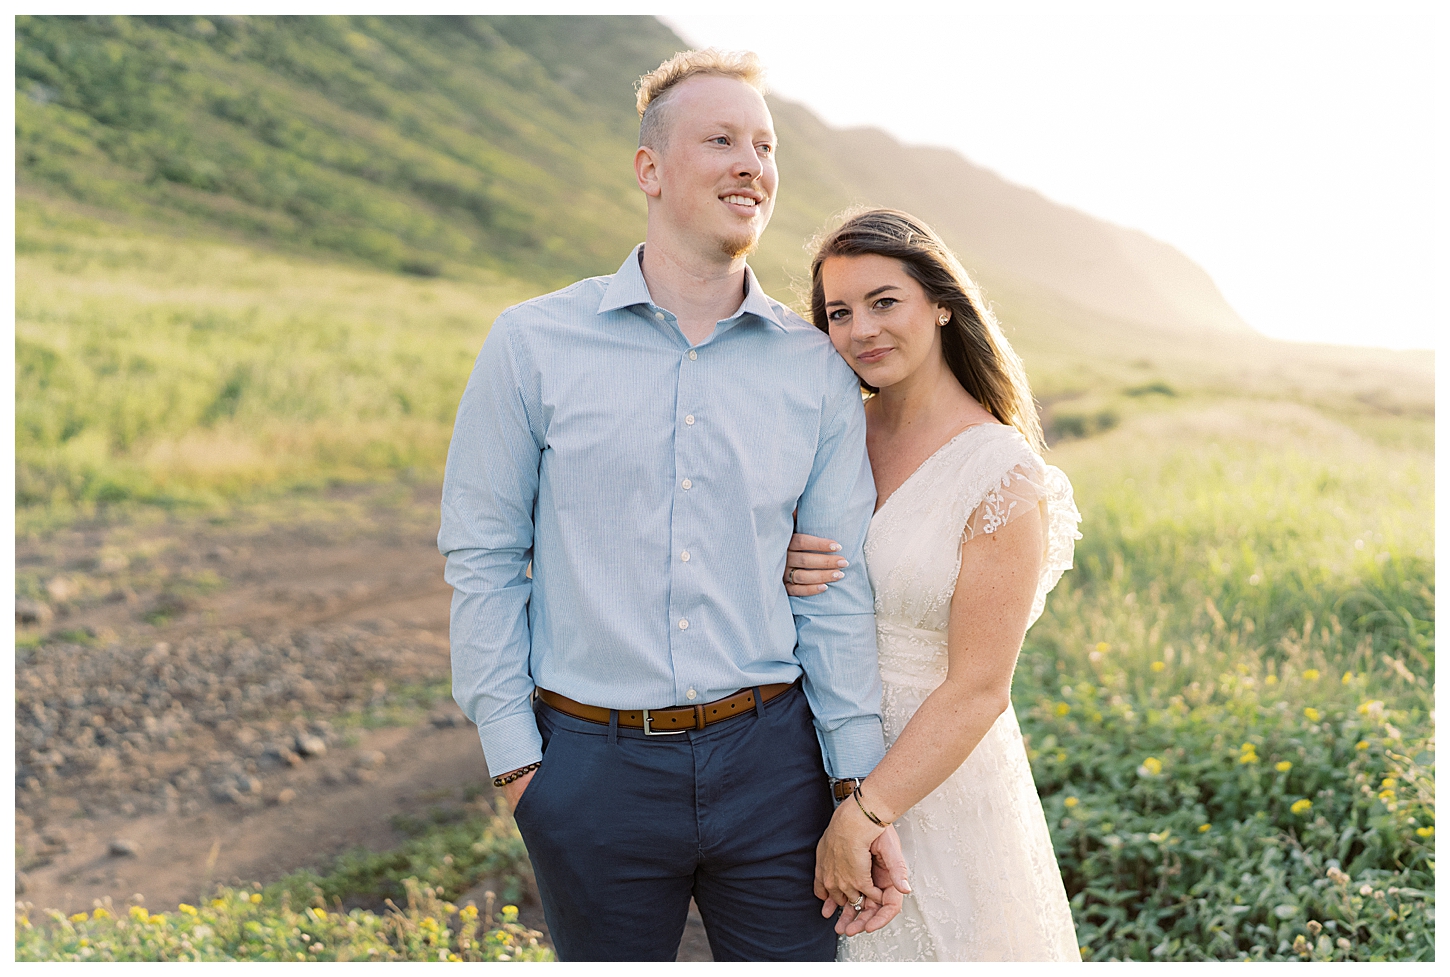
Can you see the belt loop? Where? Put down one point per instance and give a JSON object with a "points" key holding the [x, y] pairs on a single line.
{"points": [[759, 702], [613, 737]]}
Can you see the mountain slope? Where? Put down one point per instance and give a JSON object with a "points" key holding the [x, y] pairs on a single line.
{"points": [[493, 145]]}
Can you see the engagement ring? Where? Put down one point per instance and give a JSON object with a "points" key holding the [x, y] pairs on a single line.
{"points": [[857, 904]]}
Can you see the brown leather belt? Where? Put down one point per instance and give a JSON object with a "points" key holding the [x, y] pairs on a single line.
{"points": [[667, 722]]}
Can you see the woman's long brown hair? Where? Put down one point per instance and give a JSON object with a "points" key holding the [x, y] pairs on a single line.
{"points": [[977, 353]]}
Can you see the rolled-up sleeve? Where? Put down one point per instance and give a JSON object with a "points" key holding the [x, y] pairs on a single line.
{"points": [[487, 534], [836, 630]]}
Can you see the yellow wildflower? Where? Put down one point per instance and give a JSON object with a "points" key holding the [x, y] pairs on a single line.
{"points": [[139, 912], [1102, 646], [1362, 745], [1063, 708], [1282, 766], [510, 910], [1312, 714], [1069, 802], [218, 903], [1311, 673], [156, 918], [1387, 782], [1271, 680], [1084, 950], [255, 898], [1348, 677], [1387, 795], [1301, 806], [101, 913], [1204, 827], [1426, 832], [1157, 666], [79, 918], [189, 910], [1152, 765], [1249, 756], [468, 912]]}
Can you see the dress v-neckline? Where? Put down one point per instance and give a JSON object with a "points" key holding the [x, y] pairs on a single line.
{"points": [[928, 460]]}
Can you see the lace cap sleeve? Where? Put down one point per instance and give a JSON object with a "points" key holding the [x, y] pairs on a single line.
{"points": [[1023, 488]]}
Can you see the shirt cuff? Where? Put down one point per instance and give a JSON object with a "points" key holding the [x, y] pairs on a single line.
{"points": [[853, 748], [510, 742]]}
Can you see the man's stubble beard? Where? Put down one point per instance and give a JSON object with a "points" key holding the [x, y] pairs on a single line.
{"points": [[740, 246]]}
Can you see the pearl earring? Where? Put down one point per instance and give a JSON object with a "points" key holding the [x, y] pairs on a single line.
{"points": [[944, 319]]}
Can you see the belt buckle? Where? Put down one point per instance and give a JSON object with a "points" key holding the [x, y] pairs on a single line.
{"points": [[644, 714]]}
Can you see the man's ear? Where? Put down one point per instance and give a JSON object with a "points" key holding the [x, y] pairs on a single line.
{"points": [[647, 171]]}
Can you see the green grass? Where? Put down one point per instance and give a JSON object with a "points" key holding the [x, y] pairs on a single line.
{"points": [[174, 372], [1228, 701], [403, 909]]}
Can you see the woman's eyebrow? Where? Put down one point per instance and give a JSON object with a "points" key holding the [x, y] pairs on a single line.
{"points": [[877, 291]]}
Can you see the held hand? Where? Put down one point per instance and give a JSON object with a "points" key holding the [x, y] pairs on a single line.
{"points": [[888, 872], [843, 864], [812, 563], [515, 790]]}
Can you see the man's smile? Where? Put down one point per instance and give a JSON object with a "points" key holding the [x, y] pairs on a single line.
{"points": [[746, 202]]}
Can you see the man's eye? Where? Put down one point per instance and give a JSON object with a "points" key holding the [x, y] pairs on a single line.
{"points": [[766, 148], [722, 140]]}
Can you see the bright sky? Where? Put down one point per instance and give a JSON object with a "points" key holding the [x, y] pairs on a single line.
{"points": [[1288, 150]]}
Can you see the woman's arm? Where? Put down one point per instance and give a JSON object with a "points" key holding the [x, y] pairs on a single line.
{"points": [[990, 606]]}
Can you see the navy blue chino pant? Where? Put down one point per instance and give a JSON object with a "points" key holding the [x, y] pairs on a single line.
{"points": [[623, 829]]}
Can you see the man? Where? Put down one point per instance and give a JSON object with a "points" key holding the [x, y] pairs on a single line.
{"points": [[618, 502]]}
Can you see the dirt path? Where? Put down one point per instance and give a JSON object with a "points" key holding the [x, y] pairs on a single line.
{"points": [[345, 594]]}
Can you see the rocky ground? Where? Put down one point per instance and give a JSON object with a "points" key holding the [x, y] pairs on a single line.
{"points": [[232, 698]]}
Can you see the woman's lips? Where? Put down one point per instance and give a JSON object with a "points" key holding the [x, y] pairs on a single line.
{"points": [[872, 355]]}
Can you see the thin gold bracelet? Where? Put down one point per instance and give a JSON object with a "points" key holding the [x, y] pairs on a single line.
{"points": [[874, 819]]}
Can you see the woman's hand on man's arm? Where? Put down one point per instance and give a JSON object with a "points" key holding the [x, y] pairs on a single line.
{"points": [[811, 564]]}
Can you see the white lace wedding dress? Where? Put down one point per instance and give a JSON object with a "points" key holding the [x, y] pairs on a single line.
{"points": [[985, 882]]}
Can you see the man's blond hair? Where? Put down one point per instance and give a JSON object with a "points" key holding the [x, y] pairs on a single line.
{"points": [[653, 89]]}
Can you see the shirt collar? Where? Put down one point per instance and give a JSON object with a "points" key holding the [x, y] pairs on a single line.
{"points": [[628, 288]]}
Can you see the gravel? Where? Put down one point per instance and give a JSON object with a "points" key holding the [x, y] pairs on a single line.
{"points": [[162, 727]]}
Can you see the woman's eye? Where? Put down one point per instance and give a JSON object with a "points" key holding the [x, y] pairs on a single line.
{"points": [[837, 315], [885, 303]]}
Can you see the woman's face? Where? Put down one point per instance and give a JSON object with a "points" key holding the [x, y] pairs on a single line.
{"points": [[880, 319]]}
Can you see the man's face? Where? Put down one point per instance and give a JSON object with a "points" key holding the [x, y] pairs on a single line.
{"points": [[717, 172]]}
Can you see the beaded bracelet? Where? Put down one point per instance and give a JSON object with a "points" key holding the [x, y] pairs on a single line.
{"points": [[874, 819], [513, 775]]}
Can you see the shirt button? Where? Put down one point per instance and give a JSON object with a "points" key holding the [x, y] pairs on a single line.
{"points": [[659, 315], [690, 694], [692, 354], [685, 556], [689, 418], [686, 484], [684, 624]]}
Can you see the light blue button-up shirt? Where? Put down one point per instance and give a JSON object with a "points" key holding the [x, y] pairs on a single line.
{"points": [[652, 483]]}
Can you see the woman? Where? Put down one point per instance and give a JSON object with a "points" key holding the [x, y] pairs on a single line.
{"points": [[971, 531]]}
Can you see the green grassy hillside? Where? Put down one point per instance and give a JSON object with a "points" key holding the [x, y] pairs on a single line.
{"points": [[424, 145], [451, 146]]}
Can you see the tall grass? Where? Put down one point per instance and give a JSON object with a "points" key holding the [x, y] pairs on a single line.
{"points": [[173, 371], [1229, 700]]}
